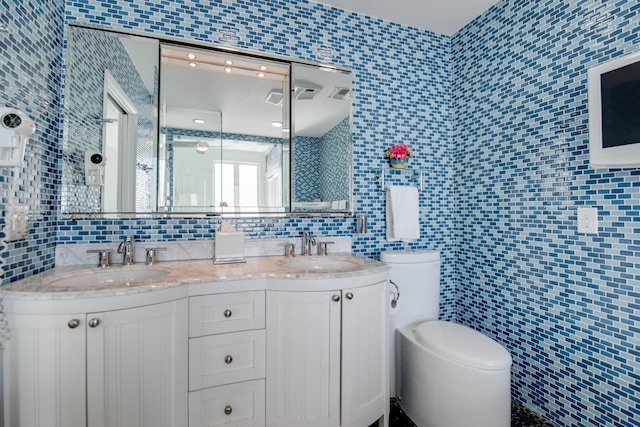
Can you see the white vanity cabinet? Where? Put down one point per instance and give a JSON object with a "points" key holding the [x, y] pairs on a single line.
{"points": [[326, 357], [251, 345], [227, 360], [114, 368], [44, 370]]}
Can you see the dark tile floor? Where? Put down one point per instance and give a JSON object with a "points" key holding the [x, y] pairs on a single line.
{"points": [[521, 416]]}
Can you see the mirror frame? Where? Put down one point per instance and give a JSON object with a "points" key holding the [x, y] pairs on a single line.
{"points": [[289, 211]]}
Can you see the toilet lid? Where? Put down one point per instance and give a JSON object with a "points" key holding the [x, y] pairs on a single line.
{"points": [[464, 345]]}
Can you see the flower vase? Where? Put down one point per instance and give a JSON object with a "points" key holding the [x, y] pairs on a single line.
{"points": [[399, 163]]}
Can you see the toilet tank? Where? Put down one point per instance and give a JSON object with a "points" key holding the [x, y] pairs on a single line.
{"points": [[417, 275]]}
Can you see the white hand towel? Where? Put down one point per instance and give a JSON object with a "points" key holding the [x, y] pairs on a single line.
{"points": [[403, 213]]}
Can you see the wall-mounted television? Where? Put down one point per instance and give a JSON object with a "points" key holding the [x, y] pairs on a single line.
{"points": [[614, 113]]}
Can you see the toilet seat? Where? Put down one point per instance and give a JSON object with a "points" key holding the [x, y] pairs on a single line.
{"points": [[463, 345]]}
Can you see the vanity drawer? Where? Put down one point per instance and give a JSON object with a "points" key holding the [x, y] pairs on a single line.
{"points": [[238, 405], [217, 314], [226, 358]]}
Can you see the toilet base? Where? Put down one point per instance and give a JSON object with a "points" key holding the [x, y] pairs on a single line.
{"points": [[435, 392]]}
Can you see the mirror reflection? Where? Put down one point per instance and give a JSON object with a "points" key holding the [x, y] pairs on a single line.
{"points": [[322, 147], [224, 134], [110, 107], [156, 127]]}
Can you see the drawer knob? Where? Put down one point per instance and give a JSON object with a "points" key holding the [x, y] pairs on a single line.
{"points": [[349, 295], [74, 323], [94, 322], [228, 410], [336, 298], [227, 313], [228, 359]]}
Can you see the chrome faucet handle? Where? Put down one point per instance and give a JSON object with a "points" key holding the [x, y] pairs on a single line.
{"points": [[126, 240], [104, 257], [152, 254], [289, 250], [307, 241], [322, 248], [126, 249]]}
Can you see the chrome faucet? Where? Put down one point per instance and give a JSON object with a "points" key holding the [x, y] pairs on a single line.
{"points": [[307, 241], [126, 249]]}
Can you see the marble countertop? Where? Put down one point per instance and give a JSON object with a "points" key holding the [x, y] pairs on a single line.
{"points": [[52, 285]]}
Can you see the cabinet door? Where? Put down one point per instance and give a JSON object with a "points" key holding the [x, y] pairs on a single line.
{"points": [[303, 359], [137, 366], [364, 349], [44, 369]]}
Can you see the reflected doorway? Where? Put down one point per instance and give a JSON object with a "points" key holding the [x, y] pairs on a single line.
{"points": [[119, 148]]}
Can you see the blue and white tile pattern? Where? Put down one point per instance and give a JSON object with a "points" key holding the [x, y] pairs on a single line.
{"points": [[564, 303], [497, 117]]}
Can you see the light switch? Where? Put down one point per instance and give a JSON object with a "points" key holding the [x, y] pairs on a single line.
{"points": [[16, 220], [588, 220]]}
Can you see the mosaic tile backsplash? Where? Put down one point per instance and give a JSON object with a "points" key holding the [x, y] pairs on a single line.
{"points": [[497, 118], [565, 304]]}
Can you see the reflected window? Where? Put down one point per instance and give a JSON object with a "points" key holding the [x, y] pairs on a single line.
{"points": [[237, 186]]}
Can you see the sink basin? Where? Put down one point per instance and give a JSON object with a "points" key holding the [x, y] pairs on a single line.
{"points": [[319, 264], [99, 278]]}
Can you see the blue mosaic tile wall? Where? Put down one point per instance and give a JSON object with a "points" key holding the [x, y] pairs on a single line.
{"points": [[306, 167], [321, 165], [401, 91], [30, 60], [501, 185], [564, 303], [335, 162]]}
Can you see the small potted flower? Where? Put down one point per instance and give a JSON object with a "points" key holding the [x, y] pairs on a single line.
{"points": [[398, 155]]}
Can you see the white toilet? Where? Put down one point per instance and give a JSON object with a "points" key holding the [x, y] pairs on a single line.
{"points": [[444, 374]]}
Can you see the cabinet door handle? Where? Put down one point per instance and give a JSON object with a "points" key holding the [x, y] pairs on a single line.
{"points": [[336, 298], [74, 323], [228, 410], [349, 295], [227, 313], [94, 322], [228, 359]]}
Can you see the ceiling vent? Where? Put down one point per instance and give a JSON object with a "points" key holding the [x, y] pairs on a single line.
{"points": [[275, 97], [304, 90], [340, 93]]}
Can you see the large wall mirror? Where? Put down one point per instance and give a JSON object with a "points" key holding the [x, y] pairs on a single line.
{"points": [[157, 127]]}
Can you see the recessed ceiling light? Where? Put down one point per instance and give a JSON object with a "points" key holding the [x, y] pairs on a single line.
{"points": [[276, 124], [193, 64], [199, 121], [263, 67], [191, 56], [261, 75], [228, 62], [228, 70]]}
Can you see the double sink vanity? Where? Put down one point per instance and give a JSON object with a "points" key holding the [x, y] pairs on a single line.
{"points": [[275, 341]]}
